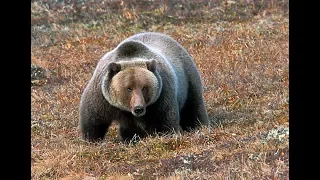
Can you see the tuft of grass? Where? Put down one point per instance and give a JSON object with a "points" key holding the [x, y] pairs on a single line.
{"points": [[242, 55]]}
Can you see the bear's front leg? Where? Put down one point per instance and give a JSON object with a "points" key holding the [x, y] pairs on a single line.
{"points": [[93, 132], [93, 127], [131, 132], [170, 119], [171, 123]]}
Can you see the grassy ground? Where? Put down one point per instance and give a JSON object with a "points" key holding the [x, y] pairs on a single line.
{"points": [[241, 51]]}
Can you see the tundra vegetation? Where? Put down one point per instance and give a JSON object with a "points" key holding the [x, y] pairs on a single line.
{"points": [[241, 50]]}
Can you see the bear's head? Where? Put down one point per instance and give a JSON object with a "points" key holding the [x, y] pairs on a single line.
{"points": [[132, 85]]}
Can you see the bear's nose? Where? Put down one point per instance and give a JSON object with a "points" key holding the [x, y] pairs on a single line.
{"points": [[138, 110]]}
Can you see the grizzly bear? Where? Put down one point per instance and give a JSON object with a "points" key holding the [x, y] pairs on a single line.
{"points": [[148, 83]]}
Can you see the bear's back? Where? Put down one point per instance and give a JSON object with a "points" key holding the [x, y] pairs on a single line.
{"points": [[162, 43]]}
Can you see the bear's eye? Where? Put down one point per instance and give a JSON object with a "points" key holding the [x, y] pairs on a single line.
{"points": [[143, 89], [129, 89]]}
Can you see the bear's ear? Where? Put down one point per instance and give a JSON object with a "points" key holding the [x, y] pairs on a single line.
{"points": [[113, 69], [151, 65]]}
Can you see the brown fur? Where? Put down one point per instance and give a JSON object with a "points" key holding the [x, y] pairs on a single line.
{"points": [[165, 90], [141, 85]]}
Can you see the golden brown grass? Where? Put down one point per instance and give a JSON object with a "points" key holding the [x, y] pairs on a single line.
{"points": [[244, 68]]}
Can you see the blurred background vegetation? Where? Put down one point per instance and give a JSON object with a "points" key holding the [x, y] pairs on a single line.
{"points": [[66, 19]]}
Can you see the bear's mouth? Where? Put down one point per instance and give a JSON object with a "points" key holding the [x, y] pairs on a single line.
{"points": [[139, 111]]}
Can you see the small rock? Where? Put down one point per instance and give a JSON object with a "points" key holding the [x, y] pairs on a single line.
{"points": [[38, 74]]}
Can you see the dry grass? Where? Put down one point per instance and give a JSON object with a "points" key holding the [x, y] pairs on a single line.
{"points": [[244, 68]]}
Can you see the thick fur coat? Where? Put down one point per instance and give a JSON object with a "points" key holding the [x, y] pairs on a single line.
{"points": [[148, 83]]}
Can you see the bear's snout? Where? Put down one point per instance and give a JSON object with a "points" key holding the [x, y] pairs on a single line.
{"points": [[137, 103]]}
